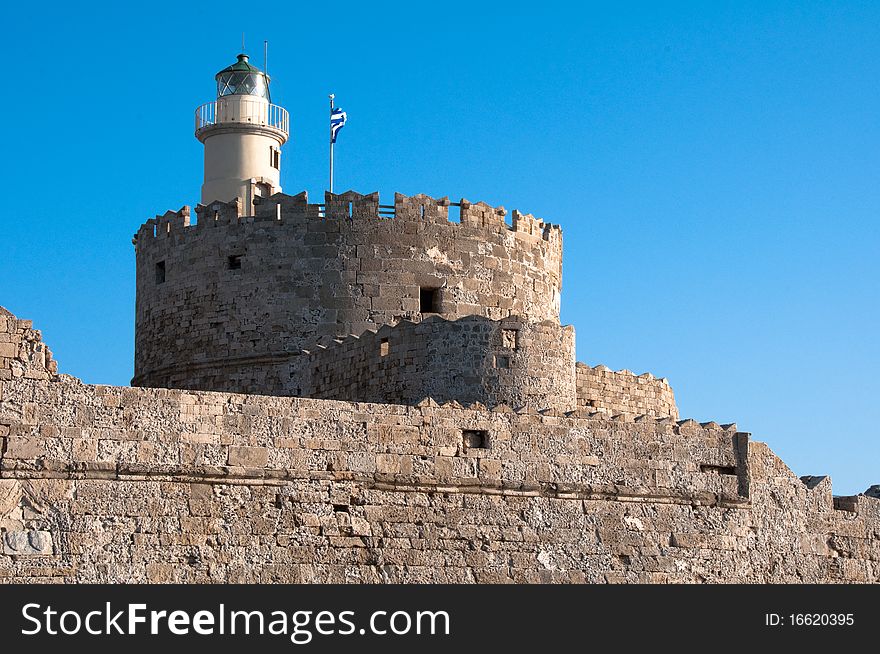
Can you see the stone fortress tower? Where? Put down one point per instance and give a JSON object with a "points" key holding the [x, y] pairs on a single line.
{"points": [[353, 299], [359, 391]]}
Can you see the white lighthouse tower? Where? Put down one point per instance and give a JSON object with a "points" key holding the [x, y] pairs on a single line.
{"points": [[243, 133]]}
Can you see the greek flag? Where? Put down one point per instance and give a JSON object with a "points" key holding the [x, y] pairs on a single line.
{"points": [[337, 120]]}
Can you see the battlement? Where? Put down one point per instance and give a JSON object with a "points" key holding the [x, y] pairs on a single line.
{"points": [[624, 392], [225, 302], [470, 360], [351, 206], [23, 355], [204, 486]]}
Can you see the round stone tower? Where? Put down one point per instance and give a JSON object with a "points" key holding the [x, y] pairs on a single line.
{"points": [[242, 132], [230, 301]]}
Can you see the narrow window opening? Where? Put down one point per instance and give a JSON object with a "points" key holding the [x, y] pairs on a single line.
{"points": [[429, 300], [160, 272], [384, 347], [351, 209], [216, 215], [476, 438], [422, 210], [234, 262], [718, 470], [275, 158]]}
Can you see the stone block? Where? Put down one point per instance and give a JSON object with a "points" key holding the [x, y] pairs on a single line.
{"points": [[27, 543], [248, 457], [10, 494], [160, 573], [25, 448], [85, 449]]}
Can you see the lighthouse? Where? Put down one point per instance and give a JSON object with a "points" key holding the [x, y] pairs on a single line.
{"points": [[242, 132]]}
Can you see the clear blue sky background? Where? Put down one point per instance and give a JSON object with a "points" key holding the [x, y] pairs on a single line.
{"points": [[714, 166]]}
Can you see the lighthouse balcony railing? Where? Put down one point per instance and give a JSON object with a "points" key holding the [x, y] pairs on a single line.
{"points": [[254, 112]]}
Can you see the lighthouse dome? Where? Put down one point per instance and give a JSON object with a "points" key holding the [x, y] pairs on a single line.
{"points": [[241, 78]]}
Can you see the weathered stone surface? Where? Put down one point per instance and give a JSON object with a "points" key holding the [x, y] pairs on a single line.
{"points": [[472, 359], [22, 351], [623, 392], [288, 489], [309, 272], [27, 543], [492, 457], [254, 457]]}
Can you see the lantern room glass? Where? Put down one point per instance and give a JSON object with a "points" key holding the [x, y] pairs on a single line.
{"points": [[242, 83]]}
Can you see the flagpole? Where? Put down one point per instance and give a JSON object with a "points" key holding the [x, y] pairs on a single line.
{"points": [[331, 141]]}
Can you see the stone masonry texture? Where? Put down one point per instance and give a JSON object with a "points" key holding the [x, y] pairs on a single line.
{"points": [[468, 360], [359, 392], [621, 391], [230, 302], [22, 351], [110, 484]]}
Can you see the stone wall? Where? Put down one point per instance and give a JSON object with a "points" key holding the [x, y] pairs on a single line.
{"points": [[115, 484], [468, 360], [227, 303], [622, 391], [22, 351]]}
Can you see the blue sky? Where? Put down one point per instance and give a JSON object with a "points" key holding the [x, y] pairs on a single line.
{"points": [[714, 167]]}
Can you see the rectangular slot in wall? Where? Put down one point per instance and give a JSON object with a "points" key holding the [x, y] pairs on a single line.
{"points": [[475, 438], [234, 262], [160, 272], [384, 347], [502, 361], [718, 470], [429, 300]]}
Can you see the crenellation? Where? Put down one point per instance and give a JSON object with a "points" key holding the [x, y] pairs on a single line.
{"points": [[334, 269], [421, 207], [351, 205], [592, 489], [352, 390], [23, 354], [410, 209], [483, 215], [172, 222], [218, 214], [623, 391], [467, 360]]}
